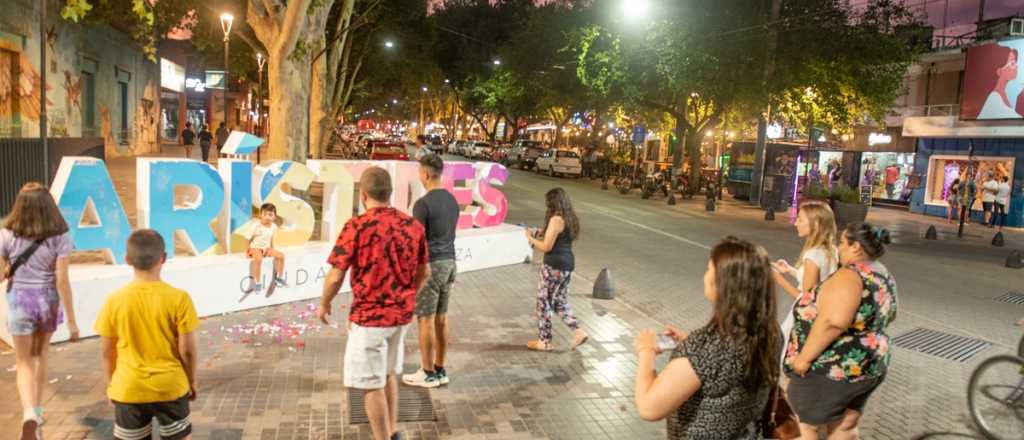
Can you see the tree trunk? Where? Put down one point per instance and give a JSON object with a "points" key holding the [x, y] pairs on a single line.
{"points": [[693, 149], [288, 96], [320, 122]]}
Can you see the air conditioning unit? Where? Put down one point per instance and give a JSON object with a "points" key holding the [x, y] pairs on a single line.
{"points": [[1017, 26]]}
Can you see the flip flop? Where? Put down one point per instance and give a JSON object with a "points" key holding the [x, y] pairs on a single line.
{"points": [[537, 345], [580, 341]]}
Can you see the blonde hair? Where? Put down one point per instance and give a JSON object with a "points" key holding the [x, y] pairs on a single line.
{"points": [[823, 230]]}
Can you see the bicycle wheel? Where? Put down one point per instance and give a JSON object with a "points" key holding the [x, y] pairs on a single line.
{"points": [[995, 397]]}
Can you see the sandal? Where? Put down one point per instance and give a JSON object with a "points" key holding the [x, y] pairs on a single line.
{"points": [[580, 340], [538, 345]]}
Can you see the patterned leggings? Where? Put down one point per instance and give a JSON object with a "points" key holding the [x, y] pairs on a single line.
{"points": [[553, 294]]}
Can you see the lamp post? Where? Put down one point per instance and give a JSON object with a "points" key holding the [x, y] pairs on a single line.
{"points": [[42, 93], [226, 20], [422, 101], [260, 62]]}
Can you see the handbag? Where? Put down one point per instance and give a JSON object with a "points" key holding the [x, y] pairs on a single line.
{"points": [[20, 261], [779, 421]]}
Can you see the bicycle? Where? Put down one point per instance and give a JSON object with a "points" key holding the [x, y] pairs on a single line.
{"points": [[995, 395]]}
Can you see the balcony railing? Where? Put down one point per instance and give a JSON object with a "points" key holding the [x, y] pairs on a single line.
{"points": [[926, 110]]}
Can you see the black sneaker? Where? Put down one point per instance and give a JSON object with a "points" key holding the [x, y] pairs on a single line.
{"points": [[441, 375]]}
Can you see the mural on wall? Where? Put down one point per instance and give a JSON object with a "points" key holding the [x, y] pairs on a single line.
{"points": [[107, 132], [19, 84], [144, 125], [73, 91]]}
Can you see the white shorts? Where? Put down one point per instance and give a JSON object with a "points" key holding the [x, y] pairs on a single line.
{"points": [[372, 354]]}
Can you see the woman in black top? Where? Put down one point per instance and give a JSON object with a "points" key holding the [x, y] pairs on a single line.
{"points": [[562, 228]]}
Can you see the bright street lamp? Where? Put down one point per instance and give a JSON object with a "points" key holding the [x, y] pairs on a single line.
{"points": [[226, 20], [497, 62], [635, 10], [394, 101], [389, 44]]}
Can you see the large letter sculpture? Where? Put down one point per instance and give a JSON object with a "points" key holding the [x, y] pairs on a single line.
{"points": [[191, 221], [339, 197], [493, 204], [296, 213], [237, 213], [461, 172], [89, 203]]}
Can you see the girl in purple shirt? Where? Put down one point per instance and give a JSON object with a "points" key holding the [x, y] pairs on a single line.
{"points": [[35, 292]]}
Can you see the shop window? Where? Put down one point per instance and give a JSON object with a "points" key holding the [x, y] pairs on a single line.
{"points": [[122, 97], [888, 175], [944, 169]]}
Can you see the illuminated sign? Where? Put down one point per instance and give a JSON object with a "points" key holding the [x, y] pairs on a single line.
{"points": [[879, 139], [215, 79], [215, 212], [774, 131], [195, 84], [172, 75]]}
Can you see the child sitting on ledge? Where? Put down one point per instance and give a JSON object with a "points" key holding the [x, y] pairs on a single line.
{"points": [[261, 246]]}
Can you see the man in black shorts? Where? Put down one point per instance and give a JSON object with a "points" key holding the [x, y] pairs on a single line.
{"points": [[439, 213], [188, 137]]}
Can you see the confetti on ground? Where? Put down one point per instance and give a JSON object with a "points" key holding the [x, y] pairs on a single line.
{"points": [[59, 349], [12, 369], [68, 378], [53, 380], [6, 353]]}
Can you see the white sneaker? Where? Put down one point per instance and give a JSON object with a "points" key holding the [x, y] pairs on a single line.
{"points": [[421, 379]]}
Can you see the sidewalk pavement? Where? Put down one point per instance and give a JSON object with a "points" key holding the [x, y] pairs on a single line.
{"points": [[287, 384]]}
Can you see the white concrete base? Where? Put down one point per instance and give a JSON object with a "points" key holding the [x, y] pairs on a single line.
{"points": [[215, 282]]}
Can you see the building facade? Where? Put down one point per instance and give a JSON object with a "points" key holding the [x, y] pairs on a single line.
{"points": [[99, 83]]}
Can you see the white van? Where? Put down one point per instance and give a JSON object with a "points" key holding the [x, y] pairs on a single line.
{"points": [[555, 162]]}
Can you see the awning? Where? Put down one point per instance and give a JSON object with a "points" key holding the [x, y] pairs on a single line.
{"points": [[951, 127]]}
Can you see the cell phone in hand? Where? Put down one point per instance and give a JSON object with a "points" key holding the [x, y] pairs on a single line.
{"points": [[665, 342]]}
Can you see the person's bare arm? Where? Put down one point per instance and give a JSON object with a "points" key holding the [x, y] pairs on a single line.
{"points": [[422, 275], [555, 226], [189, 358], [335, 278], [837, 306], [64, 291], [812, 274], [4, 265], [108, 346]]}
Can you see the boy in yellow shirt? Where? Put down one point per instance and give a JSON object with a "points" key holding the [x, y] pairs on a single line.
{"points": [[147, 331]]}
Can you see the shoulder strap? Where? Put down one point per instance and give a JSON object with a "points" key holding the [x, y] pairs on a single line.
{"points": [[22, 259]]}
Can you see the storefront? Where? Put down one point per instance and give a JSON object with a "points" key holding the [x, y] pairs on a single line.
{"points": [[883, 164], [944, 160], [172, 100]]}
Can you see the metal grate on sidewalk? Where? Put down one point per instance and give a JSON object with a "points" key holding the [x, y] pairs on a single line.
{"points": [[414, 405], [943, 345], [1012, 298]]}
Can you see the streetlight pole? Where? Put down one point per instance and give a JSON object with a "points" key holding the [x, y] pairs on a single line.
{"points": [[42, 93], [260, 61], [419, 128], [226, 20]]}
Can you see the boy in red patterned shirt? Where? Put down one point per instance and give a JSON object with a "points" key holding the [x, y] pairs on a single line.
{"points": [[387, 253]]}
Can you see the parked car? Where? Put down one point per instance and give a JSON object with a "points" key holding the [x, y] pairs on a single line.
{"points": [[501, 154], [563, 162], [481, 151], [387, 151], [525, 153]]}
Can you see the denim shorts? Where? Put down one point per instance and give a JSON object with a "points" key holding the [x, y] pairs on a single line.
{"points": [[32, 310]]}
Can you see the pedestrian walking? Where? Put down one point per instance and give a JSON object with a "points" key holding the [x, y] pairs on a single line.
{"points": [[147, 334], [438, 212], [561, 229], [968, 194], [187, 139], [421, 149], [205, 139], [953, 201], [989, 188], [222, 136], [387, 253], [838, 350], [1002, 202], [718, 380], [819, 258], [34, 250]]}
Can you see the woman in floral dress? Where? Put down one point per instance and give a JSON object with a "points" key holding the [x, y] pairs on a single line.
{"points": [[838, 350]]}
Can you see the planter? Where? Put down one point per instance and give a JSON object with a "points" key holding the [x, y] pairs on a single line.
{"points": [[847, 213]]}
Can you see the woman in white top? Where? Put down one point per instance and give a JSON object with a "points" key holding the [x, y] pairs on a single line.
{"points": [[1002, 202], [818, 259]]}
